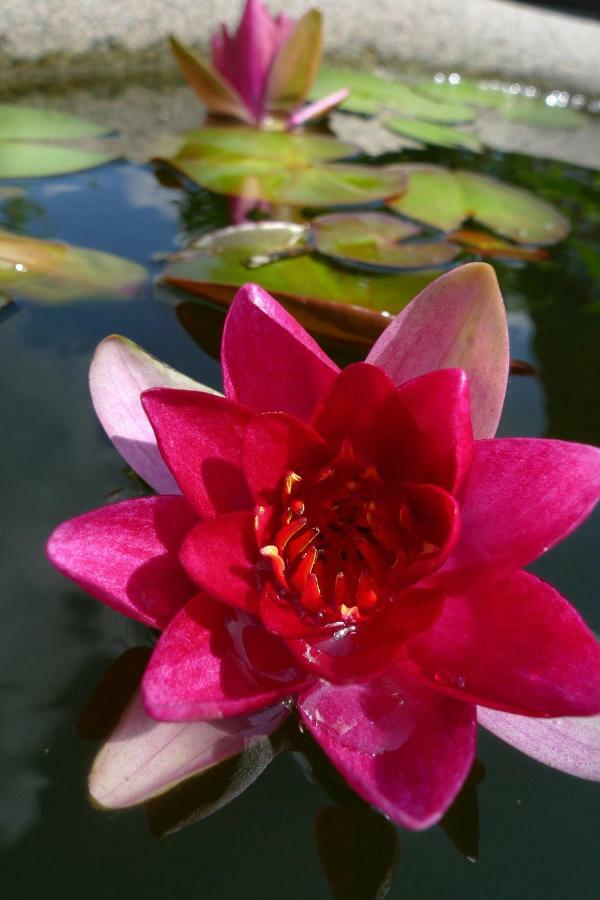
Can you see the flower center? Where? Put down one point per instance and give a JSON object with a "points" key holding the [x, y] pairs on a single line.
{"points": [[338, 540]]}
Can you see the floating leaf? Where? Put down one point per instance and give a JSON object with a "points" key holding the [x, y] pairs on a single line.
{"points": [[372, 239], [279, 167], [359, 851], [358, 303], [432, 133], [444, 199], [21, 156], [518, 107], [370, 94], [51, 272]]}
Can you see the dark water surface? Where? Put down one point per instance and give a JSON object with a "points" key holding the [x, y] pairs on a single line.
{"points": [[539, 829]]}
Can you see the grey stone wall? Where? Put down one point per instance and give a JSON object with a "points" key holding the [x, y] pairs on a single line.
{"points": [[494, 37]]}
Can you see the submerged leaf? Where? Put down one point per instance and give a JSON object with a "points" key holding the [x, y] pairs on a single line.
{"points": [[444, 199], [378, 240], [51, 272], [371, 94], [279, 167]]}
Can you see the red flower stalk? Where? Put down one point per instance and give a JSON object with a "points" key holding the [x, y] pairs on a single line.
{"points": [[354, 540]]}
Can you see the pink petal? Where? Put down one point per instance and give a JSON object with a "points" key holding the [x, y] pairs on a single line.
{"points": [[404, 748], [127, 556], [119, 373], [200, 439], [317, 109], [274, 445], [214, 91], [458, 321], [516, 645], [144, 758], [214, 661], [245, 58], [270, 363], [521, 496], [571, 745], [220, 555]]}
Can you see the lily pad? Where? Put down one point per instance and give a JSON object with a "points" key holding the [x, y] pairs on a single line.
{"points": [[279, 167], [518, 107], [370, 95], [444, 199], [433, 133], [486, 244], [25, 148], [378, 240], [54, 273], [355, 303]]}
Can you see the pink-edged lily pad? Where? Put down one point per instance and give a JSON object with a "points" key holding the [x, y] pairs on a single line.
{"points": [[485, 244], [444, 199], [280, 167], [29, 148], [378, 240], [370, 94], [54, 273], [353, 302]]}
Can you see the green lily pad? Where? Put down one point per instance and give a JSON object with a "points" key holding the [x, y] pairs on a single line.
{"points": [[55, 273], [432, 133], [378, 240], [25, 151], [279, 167], [533, 110], [444, 199], [355, 303], [370, 95]]}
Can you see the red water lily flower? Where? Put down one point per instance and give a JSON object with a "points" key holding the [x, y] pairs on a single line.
{"points": [[265, 68], [352, 539]]}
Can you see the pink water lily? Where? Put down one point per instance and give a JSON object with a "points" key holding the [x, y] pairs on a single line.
{"points": [[351, 539], [266, 68]]}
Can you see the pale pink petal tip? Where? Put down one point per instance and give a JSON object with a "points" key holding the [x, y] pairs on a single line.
{"points": [[317, 109], [120, 371]]}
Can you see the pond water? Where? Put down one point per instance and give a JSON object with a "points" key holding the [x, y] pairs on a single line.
{"points": [[538, 829]]}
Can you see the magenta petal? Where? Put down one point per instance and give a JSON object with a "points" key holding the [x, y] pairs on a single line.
{"points": [[200, 438], [458, 321], [403, 747], [214, 661], [571, 745], [220, 555], [274, 445], [127, 556], [119, 373], [521, 496], [144, 758], [270, 363], [516, 645]]}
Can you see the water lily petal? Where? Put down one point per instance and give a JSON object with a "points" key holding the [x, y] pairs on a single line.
{"points": [[516, 645], [270, 363], [520, 497], [144, 758], [317, 109], [127, 556], [214, 661], [571, 744], [402, 747], [457, 321], [218, 96], [199, 436], [119, 373], [275, 444], [220, 555], [295, 64]]}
